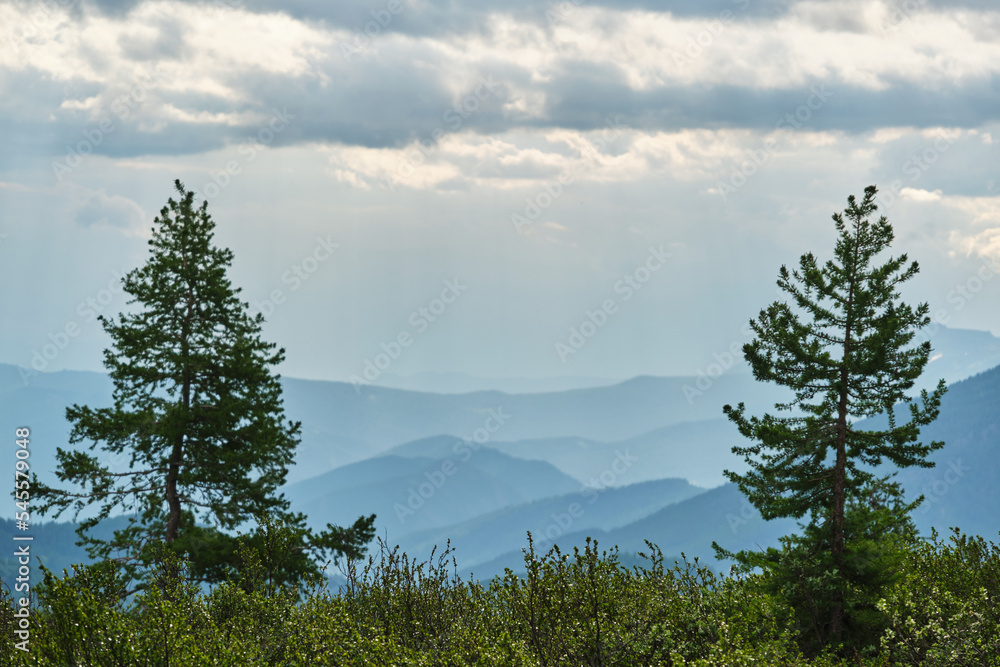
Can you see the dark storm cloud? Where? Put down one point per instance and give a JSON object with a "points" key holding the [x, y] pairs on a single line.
{"points": [[440, 17], [378, 105], [443, 17], [448, 16], [406, 91], [581, 103], [383, 106]]}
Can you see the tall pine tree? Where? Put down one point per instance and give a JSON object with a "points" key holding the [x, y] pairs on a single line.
{"points": [[197, 412], [843, 346]]}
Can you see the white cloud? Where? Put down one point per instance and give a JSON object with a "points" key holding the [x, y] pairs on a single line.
{"points": [[226, 52], [98, 209], [699, 96], [981, 235], [916, 194]]}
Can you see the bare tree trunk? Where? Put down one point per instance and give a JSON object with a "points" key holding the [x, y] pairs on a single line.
{"points": [[173, 498], [171, 573], [840, 477], [839, 501]]}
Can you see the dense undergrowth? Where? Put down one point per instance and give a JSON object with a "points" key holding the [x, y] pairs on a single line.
{"points": [[582, 608]]}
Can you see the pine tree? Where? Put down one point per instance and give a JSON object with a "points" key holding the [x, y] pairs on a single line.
{"points": [[843, 347], [197, 412]]}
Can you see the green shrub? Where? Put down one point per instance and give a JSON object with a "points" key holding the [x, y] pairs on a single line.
{"points": [[947, 611], [581, 608]]}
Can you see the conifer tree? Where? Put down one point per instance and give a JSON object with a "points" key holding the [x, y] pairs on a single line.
{"points": [[843, 347], [198, 414]]}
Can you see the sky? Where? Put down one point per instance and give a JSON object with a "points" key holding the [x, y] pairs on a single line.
{"points": [[600, 188]]}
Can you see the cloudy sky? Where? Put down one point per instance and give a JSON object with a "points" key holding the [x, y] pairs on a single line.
{"points": [[480, 180]]}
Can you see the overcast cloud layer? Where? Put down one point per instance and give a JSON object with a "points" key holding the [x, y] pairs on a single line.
{"points": [[490, 178]]}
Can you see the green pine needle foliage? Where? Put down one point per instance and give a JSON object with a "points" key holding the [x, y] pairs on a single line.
{"points": [[842, 345], [197, 412]]}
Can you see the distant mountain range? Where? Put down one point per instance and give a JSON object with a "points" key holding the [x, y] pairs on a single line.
{"points": [[341, 425], [685, 528], [959, 353], [697, 451], [463, 383], [962, 490], [641, 459], [550, 519], [415, 493]]}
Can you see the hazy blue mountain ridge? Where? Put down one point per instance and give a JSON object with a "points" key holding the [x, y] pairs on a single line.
{"points": [[510, 463], [416, 493], [485, 536]]}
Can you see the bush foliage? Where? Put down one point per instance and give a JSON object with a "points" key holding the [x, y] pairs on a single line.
{"points": [[582, 608]]}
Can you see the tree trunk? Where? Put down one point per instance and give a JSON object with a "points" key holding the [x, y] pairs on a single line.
{"points": [[171, 572], [840, 474], [173, 498], [177, 454], [839, 501]]}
